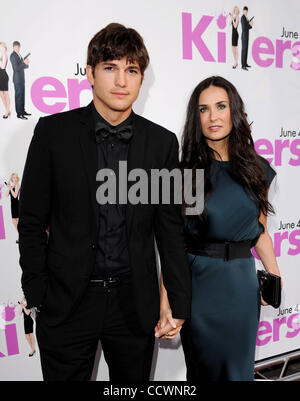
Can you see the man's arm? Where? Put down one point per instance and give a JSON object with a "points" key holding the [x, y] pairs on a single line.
{"points": [[244, 24], [35, 198], [169, 234], [167, 326], [17, 64]]}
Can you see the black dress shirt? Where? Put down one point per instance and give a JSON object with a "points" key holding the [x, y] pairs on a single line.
{"points": [[112, 257]]}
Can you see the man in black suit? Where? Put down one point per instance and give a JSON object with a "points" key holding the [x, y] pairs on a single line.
{"points": [[246, 26], [19, 65], [95, 278]]}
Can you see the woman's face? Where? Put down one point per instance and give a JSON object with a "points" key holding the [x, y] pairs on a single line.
{"points": [[215, 116], [236, 11]]}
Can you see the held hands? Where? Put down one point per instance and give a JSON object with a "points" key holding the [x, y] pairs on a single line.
{"points": [[167, 327]]}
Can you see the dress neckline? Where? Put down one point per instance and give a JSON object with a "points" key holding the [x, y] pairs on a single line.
{"points": [[222, 161]]}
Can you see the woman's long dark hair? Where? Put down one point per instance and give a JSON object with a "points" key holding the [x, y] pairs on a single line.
{"points": [[246, 164]]}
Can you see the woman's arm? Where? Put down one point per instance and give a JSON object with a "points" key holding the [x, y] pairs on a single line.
{"points": [[16, 192], [27, 311], [167, 327], [265, 250], [3, 62]]}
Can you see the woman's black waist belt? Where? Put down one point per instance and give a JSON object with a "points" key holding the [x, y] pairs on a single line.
{"points": [[225, 250]]}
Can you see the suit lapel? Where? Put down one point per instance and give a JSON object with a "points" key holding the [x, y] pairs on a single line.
{"points": [[136, 158], [89, 154]]}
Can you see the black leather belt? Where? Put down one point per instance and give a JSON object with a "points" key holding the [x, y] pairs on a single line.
{"points": [[109, 282], [226, 250]]}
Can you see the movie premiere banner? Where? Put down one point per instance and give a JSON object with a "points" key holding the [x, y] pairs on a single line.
{"points": [[188, 40]]}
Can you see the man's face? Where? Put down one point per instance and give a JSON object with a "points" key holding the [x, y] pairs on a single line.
{"points": [[16, 48], [116, 84], [246, 12]]}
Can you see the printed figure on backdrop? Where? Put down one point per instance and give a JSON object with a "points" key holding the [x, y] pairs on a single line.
{"points": [[95, 277], [246, 26], [250, 124], [13, 188], [219, 339], [235, 35], [2, 227], [19, 64], [4, 80], [28, 326]]}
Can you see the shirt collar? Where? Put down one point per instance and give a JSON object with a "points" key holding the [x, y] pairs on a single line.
{"points": [[97, 117]]}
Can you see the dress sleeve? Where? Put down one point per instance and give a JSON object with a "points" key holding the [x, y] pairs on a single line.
{"points": [[268, 171]]}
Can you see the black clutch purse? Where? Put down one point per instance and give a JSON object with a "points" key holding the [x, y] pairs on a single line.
{"points": [[270, 287]]}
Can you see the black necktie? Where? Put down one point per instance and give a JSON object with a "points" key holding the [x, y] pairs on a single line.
{"points": [[102, 131]]}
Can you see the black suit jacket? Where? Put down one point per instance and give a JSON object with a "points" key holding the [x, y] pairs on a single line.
{"points": [[245, 28], [18, 67], [59, 189]]}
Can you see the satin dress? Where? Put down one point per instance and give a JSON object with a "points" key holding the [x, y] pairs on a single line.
{"points": [[219, 339]]}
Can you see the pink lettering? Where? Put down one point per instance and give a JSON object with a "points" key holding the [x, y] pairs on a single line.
{"points": [[254, 253], [264, 147], [38, 94], [221, 21], [266, 329], [294, 241], [295, 64], [2, 228], [74, 90], [278, 238], [9, 313], [190, 36], [277, 323], [279, 146], [221, 47], [11, 339], [280, 48], [257, 50], [293, 323], [263, 329], [295, 150]]}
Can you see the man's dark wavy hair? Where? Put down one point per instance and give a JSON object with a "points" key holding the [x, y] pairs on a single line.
{"points": [[114, 42]]}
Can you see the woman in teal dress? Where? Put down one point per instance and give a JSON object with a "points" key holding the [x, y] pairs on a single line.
{"points": [[219, 339]]}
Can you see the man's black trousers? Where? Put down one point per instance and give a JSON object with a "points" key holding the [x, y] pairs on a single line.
{"points": [[106, 314]]}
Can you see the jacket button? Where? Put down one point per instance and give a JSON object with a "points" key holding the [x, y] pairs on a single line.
{"points": [[93, 246]]}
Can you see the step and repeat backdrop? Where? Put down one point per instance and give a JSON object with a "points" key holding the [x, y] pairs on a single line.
{"points": [[187, 42]]}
